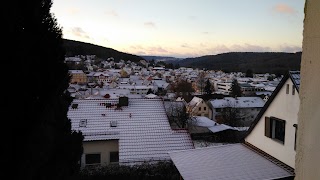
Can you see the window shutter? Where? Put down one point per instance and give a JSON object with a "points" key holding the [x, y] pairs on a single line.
{"points": [[267, 127]]}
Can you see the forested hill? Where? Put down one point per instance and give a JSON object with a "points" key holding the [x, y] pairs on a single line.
{"points": [[265, 62], [81, 48]]}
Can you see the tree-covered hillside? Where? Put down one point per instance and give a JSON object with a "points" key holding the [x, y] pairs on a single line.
{"points": [[81, 48], [262, 62]]}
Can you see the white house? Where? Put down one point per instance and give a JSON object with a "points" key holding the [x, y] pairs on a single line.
{"points": [[274, 130], [247, 107], [268, 150], [198, 107]]}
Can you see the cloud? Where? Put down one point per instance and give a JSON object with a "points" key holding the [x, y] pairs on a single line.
{"points": [[150, 50], [73, 11], [249, 48], [78, 31], [141, 53], [290, 48], [138, 47], [157, 49], [284, 8], [221, 48], [205, 32], [112, 13], [185, 45], [150, 24]]}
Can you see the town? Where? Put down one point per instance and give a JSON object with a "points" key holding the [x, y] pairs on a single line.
{"points": [[133, 113]]}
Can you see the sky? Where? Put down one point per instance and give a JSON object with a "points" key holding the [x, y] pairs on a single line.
{"points": [[183, 28]]}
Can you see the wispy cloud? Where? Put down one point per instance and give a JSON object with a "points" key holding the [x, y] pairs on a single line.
{"points": [[157, 49], [112, 13], [185, 45], [150, 50], [73, 11], [78, 31], [290, 48], [218, 49], [284, 8], [150, 24], [249, 48]]}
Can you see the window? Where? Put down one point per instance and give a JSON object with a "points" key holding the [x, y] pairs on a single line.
{"points": [[83, 123], [114, 157], [218, 109], [275, 128], [295, 135], [199, 108], [293, 90], [93, 159], [205, 108], [287, 90]]}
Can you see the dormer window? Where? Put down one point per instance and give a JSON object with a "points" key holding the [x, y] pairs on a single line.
{"points": [[74, 106], [113, 123], [83, 123]]}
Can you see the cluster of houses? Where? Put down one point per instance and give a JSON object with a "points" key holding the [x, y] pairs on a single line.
{"points": [[123, 115]]}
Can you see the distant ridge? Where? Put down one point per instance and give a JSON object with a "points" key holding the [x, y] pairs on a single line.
{"points": [[81, 48], [258, 62]]}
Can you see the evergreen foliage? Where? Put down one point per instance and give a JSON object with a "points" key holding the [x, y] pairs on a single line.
{"points": [[41, 144], [164, 170], [249, 73], [235, 89], [258, 62], [207, 88]]}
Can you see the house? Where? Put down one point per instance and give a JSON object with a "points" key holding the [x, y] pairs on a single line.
{"points": [[246, 108], [198, 107], [125, 131], [268, 149], [78, 77], [275, 127]]}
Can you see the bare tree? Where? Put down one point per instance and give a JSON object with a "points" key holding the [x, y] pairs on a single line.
{"points": [[201, 82], [177, 114], [183, 89], [231, 115]]}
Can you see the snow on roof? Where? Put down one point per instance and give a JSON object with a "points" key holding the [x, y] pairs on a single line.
{"points": [[232, 161], [240, 102], [295, 77], [221, 127], [203, 121], [144, 136], [214, 127], [76, 71], [150, 95], [195, 100]]}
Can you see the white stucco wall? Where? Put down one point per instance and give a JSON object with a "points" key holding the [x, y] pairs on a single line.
{"points": [[308, 147], [286, 107], [99, 147]]}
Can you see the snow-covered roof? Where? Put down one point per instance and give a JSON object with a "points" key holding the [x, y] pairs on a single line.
{"points": [[240, 102], [214, 127], [232, 161], [195, 100], [76, 72], [151, 95], [144, 136], [203, 121]]}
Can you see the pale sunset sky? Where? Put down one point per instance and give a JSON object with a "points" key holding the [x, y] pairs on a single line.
{"points": [[184, 28]]}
